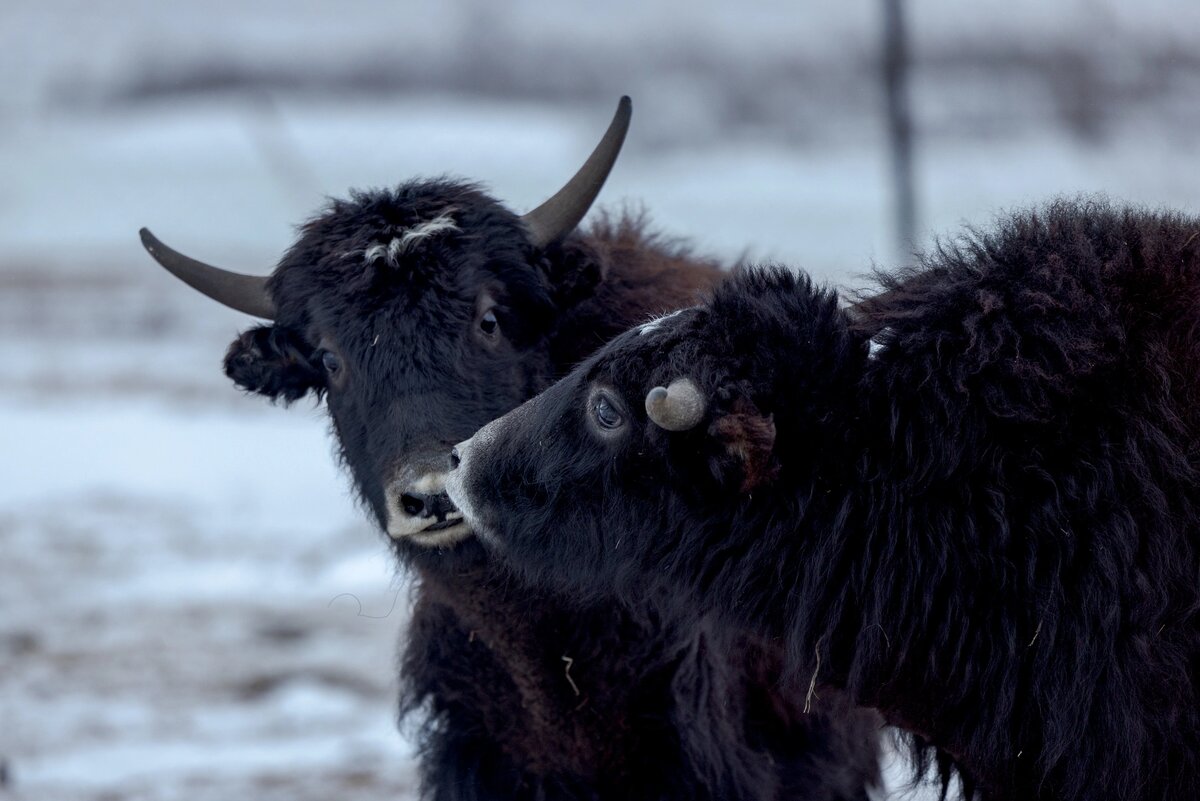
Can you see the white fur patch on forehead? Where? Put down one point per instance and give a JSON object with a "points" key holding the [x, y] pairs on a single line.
{"points": [[646, 328], [400, 244], [877, 343]]}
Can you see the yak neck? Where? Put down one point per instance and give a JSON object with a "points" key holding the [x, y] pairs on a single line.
{"points": [[622, 274], [854, 565]]}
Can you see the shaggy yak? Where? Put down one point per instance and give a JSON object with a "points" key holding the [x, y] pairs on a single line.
{"points": [[421, 313], [973, 503]]}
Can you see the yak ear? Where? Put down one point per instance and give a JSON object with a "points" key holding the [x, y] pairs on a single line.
{"points": [[747, 440], [573, 270], [273, 361]]}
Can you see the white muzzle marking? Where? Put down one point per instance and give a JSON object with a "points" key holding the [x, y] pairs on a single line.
{"points": [[454, 481], [401, 525]]}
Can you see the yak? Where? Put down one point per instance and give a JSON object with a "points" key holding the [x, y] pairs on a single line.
{"points": [[420, 313], [972, 502]]}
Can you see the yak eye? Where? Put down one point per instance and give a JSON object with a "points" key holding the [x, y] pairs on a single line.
{"points": [[488, 323], [330, 362], [606, 414]]}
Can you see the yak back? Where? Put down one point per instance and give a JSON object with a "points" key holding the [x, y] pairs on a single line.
{"points": [[1039, 390]]}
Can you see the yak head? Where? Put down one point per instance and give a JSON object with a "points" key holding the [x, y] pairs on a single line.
{"points": [[650, 451], [417, 314]]}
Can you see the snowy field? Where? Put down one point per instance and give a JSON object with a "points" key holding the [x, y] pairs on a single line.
{"points": [[191, 606]]}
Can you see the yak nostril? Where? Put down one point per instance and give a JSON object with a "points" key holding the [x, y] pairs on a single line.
{"points": [[454, 458], [413, 505], [420, 505]]}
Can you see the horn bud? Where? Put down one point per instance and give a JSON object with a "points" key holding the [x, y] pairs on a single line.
{"points": [[678, 406]]}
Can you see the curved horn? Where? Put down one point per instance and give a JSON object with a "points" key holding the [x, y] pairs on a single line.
{"points": [[559, 215], [245, 293], [677, 407]]}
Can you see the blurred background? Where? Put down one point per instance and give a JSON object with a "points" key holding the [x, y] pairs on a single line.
{"points": [[190, 603]]}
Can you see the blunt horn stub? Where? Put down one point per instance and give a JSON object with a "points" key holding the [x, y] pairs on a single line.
{"points": [[678, 406]]}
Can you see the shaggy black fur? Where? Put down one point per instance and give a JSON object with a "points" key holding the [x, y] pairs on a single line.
{"points": [[528, 695], [989, 529]]}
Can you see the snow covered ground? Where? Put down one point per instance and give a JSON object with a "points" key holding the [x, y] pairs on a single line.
{"points": [[190, 603]]}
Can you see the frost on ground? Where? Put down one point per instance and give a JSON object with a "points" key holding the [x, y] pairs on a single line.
{"points": [[193, 606]]}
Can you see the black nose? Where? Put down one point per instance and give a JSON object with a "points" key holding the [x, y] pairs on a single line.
{"points": [[420, 504], [454, 460]]}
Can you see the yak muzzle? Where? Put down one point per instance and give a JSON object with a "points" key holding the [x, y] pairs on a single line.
{"points": [[420, 511]]}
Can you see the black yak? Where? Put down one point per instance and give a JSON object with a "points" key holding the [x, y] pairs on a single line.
{"points": [[419, 314], [973, 503]]}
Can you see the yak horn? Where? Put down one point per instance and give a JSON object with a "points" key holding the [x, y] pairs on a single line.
{"points": [[677, 407], [245, 293], [559, 215]]}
